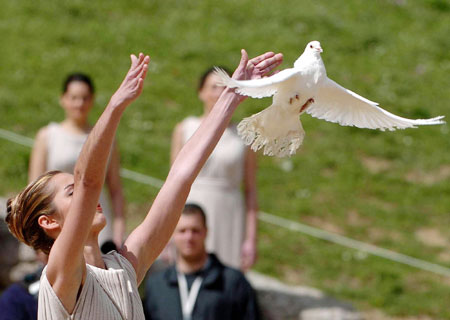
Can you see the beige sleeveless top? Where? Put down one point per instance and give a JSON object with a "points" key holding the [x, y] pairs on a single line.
{"points": [[106, 294], [217, 189]]}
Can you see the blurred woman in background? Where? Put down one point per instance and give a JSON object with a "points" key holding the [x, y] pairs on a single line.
{"points": [[58, 145], [232, 217]]}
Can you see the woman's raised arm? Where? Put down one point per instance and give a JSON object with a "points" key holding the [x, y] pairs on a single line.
{"points": [[146, 242], [66, 263]]}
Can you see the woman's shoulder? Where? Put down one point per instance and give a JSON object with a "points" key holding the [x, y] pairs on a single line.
{"points": [[190, 120], [44, 132], [48, 129], [185, 126], [113, 259]]}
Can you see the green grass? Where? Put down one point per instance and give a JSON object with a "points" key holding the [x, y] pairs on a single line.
{"points": [[377, 187]]}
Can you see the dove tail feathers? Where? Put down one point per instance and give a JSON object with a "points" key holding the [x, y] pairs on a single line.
{"points": [[276, 132]]}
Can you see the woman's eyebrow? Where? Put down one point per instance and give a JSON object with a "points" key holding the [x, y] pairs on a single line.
{"points": [[68, 186]]}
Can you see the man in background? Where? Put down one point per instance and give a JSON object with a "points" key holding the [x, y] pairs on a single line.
{"points": [[198, 286]]}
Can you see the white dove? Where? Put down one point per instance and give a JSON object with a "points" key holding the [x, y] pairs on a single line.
{"points": [[306, 88]]}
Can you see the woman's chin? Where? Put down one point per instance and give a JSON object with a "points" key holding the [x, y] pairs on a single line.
{"points": [[99, 221]]}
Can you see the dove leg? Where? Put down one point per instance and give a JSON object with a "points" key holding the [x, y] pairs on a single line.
{"points": [[306, 105]]}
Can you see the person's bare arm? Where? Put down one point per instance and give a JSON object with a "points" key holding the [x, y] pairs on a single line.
{"points": [[146, 242], [177, 142], [66, 264], [116, 194], [38, 158], [249, 247]]}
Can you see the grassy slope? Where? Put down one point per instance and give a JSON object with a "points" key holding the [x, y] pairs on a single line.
{"points": [[382, 188]]}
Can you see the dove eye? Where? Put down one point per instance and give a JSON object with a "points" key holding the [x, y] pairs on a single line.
{"points": [[310, 46]]}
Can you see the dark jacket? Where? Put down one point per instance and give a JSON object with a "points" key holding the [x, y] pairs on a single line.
{"points": [[224, 294], [16, 303]]}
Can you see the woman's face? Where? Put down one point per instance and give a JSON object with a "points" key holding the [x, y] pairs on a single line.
{"points": [[77, 101], [63, 188], [210, 92]]}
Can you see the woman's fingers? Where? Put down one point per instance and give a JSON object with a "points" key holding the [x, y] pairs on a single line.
{"points": [[263, 64], [244, 59], [143, 73], [143, 60], [134, 60], [271, 63], [240, 70], [261, 57]]}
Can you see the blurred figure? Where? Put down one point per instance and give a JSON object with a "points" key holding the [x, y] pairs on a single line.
{"points": [[218, 186], [199, 286], [20, 300], [58, 145]]}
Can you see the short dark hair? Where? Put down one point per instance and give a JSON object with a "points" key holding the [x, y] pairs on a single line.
{"points": [[206, 73], [192, 208], [80, 77]]}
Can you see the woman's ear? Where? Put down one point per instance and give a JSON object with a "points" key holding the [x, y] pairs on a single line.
{"points": [[49, 224]]}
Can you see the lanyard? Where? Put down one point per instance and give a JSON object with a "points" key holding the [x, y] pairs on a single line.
{"points": [[188, 298]]}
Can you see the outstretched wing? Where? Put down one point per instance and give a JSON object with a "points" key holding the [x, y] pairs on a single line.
{"points": [[258, 88], [334, 103]]}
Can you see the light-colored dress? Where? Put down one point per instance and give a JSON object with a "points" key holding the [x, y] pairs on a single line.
{"points": [[107, 294], [217, 190], [63, 149]]}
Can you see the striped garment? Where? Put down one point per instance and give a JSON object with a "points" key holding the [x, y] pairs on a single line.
{"points": [[106, 294]]}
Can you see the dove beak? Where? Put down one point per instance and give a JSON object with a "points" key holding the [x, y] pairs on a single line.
{"points": [[319, 49]]}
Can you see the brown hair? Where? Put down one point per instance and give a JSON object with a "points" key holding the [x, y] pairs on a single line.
{"points": [[193, 208], [206, 74], [24, 210]]}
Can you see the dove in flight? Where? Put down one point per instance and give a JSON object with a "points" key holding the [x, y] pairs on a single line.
{"points": [[306, 88]]}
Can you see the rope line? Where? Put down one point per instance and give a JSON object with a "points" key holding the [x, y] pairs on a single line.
{"points": [[354, 244], [279, 221]]}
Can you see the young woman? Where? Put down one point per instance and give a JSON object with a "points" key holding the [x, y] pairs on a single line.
{"points": [[59, 212], [58, 145], [218, 187]]}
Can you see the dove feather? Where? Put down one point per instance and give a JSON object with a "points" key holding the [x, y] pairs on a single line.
{"points": [[257, 88], [336, 104]]}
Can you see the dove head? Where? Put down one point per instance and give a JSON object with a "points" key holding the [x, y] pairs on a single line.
{"points": [[310, 55], [314, 47]]}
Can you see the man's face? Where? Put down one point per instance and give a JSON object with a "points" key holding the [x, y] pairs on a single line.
{"points": [[189, 237]]}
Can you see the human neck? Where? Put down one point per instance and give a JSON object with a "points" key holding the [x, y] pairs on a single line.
{"points": [[76, 126], [189, 266], [93, 255]]}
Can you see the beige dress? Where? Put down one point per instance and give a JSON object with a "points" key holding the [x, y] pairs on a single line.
{"points": [[63, 149], [217, 190], [110, 294]]}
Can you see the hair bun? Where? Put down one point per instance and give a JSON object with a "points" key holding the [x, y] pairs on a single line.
{"points": [[12, 214]]}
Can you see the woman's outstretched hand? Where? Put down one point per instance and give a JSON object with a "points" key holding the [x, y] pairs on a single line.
{"points": [[131, 86], [257, 67]]}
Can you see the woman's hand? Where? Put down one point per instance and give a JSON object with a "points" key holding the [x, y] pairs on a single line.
{"points": [[248, 254], [131, 86], [257, 67]]}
